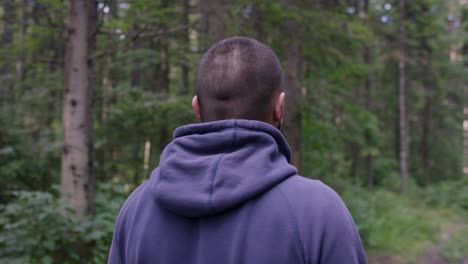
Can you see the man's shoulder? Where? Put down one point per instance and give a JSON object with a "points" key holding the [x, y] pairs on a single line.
{"points": [[313, 201], [309, 191], [134, 202], [324, 223]]}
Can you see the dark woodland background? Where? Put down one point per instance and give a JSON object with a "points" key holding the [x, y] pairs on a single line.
{"points": [[91, 92]]}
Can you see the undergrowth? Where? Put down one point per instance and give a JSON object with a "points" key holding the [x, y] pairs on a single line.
{"points": [[407, 225]]}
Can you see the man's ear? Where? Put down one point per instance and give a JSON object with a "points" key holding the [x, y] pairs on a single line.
{"points": [[196, 107], [278, 108]]}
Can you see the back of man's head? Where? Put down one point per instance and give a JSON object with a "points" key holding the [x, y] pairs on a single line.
{"points": [[237, 79]]}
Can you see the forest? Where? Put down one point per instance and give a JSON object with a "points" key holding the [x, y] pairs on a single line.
{"points": [[92, 90]]}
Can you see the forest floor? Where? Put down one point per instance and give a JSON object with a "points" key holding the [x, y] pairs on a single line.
{"points": [[433, 254]]}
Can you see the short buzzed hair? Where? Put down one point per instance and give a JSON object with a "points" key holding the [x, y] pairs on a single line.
{"points": [[237, 79]]}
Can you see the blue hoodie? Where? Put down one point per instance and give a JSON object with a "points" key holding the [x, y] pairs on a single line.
{"points": [[224, 192]]}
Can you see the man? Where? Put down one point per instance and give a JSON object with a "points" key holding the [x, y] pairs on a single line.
{"points": [[224, 191]]}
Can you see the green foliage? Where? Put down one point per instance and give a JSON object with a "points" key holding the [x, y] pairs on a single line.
{"points": [[408, 225], [448, 194], [391, 223], [456, 248], [343, 123], [35, 227], [26, 157], [137, 117]]}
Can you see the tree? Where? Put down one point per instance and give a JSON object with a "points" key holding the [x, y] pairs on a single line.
{"points": [[403, 138], [464, 51], [368, 102], [215, 18], [163, 40], [185, 38], [428, 83], [6, 41], [77, 173], [292, 72]]}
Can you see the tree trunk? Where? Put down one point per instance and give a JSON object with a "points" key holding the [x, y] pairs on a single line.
{"points": [[465, 133], [186, 47], [8, 21], [464, 53], [107, 88], [368, 105], [368, 102], [428, 83], [292, 66], [404, 151], [215, 18], [136, 74], [77, 172], [25, 12], [258, 16], [163, 80], [6, 71], [354, 151]]}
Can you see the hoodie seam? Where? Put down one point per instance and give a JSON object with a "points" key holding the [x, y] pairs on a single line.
{"points": [[294, 222], [215, 169]]}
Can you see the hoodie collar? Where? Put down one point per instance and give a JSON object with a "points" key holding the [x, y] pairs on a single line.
{"points": [[212, 167], [254, 125]]}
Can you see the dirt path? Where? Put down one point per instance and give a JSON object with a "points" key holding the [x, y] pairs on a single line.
{"points": [[434, 255], [385, 259]]}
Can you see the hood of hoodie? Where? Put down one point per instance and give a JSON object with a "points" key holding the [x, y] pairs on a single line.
{"points": [[212, 167]]}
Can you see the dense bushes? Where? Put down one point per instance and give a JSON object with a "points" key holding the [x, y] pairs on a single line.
{"points": [[448, 194], [456, 248], [35, 227], [406, 224], [389, 222]]}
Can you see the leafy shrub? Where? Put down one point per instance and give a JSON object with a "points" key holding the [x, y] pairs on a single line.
{"points": [[389, 222], [456, 248], [137, 117], [448, 194], [36, 227]]}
